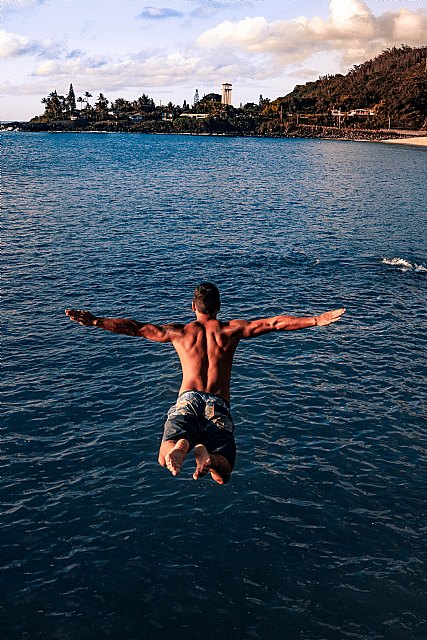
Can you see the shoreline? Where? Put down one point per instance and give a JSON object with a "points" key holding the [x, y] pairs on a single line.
{"points": [[313, 132], [419, 141]]}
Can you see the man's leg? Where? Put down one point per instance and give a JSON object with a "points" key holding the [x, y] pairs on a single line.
{"points": [[172, 454], [179, 433], [214, 463]]}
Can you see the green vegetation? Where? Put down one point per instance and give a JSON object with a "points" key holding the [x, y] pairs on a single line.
{"points": [[390, 92], [393, 86]]}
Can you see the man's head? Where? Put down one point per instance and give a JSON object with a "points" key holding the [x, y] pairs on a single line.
{"points": [[206, 299]]}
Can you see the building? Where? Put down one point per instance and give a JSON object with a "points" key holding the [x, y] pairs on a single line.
{"points": [[195, 116], [361, 112], [226, 93]]}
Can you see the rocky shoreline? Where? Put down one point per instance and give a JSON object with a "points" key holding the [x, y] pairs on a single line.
{"points": [[284, 131]]}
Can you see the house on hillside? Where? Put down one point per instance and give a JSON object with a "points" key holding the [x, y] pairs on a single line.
{"points": [[195, 116], [361, 112]]}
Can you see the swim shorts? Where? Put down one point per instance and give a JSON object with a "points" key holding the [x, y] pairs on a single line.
{"points": [[202, 418]]}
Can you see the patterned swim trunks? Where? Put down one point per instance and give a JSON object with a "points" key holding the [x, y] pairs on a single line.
{"points": [[202, 418]]}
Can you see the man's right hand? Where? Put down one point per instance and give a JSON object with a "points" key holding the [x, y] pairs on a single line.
{"points": [[329, 316], [82, 317]]}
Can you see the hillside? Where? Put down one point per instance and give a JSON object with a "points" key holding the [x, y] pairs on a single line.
{"points": [[394, 85]]}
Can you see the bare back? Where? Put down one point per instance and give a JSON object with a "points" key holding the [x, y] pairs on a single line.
{"points": [[206, 349]]}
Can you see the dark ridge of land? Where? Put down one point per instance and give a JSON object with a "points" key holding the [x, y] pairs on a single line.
{"points": [[284, 131]]}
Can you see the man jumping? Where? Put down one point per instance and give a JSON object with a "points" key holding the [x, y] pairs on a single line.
{"points": [[201, 418]]}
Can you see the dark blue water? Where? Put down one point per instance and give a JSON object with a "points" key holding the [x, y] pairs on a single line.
{"points": [[321, 532]]}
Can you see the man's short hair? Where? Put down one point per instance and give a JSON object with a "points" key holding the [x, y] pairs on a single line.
{"points": [[206, 298]]}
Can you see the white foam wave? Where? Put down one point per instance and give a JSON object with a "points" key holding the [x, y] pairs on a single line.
{"points": [[403, 265], [398, 262]]}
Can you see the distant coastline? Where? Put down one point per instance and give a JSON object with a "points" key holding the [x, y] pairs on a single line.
{"points": [[418, 138], [380, 100]]}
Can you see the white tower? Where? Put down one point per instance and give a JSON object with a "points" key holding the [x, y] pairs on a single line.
{"points": [[226, 93]]}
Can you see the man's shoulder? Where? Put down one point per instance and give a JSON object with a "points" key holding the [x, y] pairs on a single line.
{"points": [[237, 324], [233, 328], [174, 326], [174, 329]]}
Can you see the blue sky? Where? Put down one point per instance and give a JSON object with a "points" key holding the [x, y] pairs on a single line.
{"points": [[167, 49]]}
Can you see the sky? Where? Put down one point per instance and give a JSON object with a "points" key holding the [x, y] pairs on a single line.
{"points": [[168, 49]]}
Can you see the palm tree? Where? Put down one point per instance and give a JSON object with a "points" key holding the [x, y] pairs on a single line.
{"points": [[81, 100], [101, 105], [87, 96], [53, 104]]}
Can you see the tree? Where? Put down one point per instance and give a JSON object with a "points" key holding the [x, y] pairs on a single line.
{"points": [[54, 105], [210, 103], [251, 107], [87, 96], [122, 108], [71, 99], [101, 105], [80, 100], [144, 104]]}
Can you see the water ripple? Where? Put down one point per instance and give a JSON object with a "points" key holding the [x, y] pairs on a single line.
{"points": [[320, 533]]}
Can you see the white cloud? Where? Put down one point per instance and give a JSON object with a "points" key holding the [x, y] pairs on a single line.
{"points": [[351, 29], [12, 45], [139, 72]]}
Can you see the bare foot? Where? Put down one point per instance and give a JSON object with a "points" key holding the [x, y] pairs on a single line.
{"points": [[215, 464], [220, 469], [203, 461], [176, 456]]}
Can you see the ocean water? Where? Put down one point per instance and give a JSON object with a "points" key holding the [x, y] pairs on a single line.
{"points": [[320, 535]]}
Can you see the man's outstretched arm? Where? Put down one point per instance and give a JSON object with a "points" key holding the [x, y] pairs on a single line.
{"points": [[254, 328], [123, 326]]}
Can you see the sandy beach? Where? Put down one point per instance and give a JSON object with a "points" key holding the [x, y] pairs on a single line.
{"points": [[420, 141]]}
